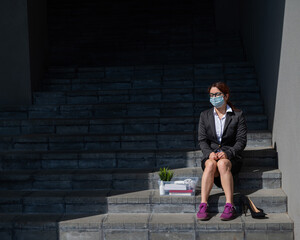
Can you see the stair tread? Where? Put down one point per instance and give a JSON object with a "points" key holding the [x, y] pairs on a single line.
{"points": [[232, 64], [131, 195], [274, 221], [65, 195], [129, 91], [183, 150], [144, 195], [187, 220], [250, 134], [121, 201], [149, 172], [95, 120], [252, 102]]}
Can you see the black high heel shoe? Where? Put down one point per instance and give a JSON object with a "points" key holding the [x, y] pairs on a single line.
{"points": [[255, 212]]}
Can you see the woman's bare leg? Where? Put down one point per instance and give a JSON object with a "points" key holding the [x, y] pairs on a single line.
{"points": [[224, 168], [207, 181]]}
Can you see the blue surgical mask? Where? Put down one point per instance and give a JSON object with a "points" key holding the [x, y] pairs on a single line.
{"points": [[217, 101]]}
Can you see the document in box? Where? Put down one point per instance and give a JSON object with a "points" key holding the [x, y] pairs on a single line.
{"points": [[175, 187]]}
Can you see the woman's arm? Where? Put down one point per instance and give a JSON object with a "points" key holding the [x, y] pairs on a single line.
{"points": [[241, 139], [202, 138]]}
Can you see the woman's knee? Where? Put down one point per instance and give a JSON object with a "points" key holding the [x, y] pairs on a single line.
{"points": [[211, 165], [224, 165]]}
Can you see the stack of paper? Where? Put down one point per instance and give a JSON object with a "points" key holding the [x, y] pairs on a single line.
{"points": [[175, 187], [181, 192]]}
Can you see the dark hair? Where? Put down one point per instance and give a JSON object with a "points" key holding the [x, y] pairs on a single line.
{"points": [[225, 90]]}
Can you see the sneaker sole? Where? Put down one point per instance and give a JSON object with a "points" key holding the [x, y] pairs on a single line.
{"points": [[204, 219], [228, 219]]}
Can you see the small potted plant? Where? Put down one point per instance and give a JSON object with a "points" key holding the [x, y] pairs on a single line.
{"points": [[165, 174]]}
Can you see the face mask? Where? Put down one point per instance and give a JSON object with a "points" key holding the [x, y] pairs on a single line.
{"points": [[217, 101]]}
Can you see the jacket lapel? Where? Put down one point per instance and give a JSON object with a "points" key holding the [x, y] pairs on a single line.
{"points": [[227, 121]]}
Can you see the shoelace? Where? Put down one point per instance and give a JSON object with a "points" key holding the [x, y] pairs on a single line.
{"points": [[228, 209], [202, 206]]}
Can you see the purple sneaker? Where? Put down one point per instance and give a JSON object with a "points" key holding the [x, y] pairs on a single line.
{"points": [[228, 213], [202, 213]]}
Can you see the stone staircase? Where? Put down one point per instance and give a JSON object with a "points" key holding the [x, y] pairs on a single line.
{"points": [[82, 161]]}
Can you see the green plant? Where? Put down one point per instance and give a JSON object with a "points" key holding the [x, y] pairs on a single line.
{"points": [[165, 174]]}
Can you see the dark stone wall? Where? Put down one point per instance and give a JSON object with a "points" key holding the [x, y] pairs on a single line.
{"points": [[261, 28], [227, 16], [119, 32], [15, 86], [23, 47], [38, 41]]}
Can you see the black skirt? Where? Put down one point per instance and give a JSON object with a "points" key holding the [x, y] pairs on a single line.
{"points": [[235, 169]]}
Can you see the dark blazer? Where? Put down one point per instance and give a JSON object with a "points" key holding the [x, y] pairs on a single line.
{"points": [[234, 137]]}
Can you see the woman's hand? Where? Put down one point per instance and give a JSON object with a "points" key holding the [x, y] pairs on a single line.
{"points": [[213, 156], [221, 155], [217, 156]]}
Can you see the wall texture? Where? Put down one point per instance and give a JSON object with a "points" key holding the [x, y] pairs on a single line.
{"points": [[38, 44], [271, 33], [227, 17], [286, 128], [15, 86], [262, 33]]}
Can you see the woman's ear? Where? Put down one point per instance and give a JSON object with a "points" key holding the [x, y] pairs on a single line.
{"points": [[226, 97]]}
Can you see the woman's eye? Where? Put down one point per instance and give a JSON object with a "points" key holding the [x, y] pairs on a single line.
{"points": [[215, 94]]}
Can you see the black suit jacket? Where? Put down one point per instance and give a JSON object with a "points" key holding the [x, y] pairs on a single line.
{"points": [[234, 137]]}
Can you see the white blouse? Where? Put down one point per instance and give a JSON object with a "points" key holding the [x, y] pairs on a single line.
{"points": [[220, 123]]}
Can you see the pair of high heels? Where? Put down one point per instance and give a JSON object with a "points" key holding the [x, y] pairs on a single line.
{"points": [[255, 212]]}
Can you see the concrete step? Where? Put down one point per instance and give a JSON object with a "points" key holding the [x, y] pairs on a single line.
{"points": [[81, 20], [147, 37], [95, 81], [29, 226], [139, 12], [153, 141], [163, 42], [80, 14], [149, 201], [166, 43], [166, 72], [139, 95], [146, 81], [53, 202], [143, 226], [161, 77], [260, 157], [120, 201], [156, 57], [124, 179], [156, 70], [177, 226], [137, 159], [126, 125], [121, 110]]}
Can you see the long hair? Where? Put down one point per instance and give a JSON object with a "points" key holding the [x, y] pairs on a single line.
{"points": [[225, 90]]}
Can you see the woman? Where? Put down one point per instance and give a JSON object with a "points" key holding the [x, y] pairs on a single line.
{"points": [[222, 137]]}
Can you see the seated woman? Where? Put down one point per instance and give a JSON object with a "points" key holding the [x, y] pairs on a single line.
{"points": [[222, 137]]}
